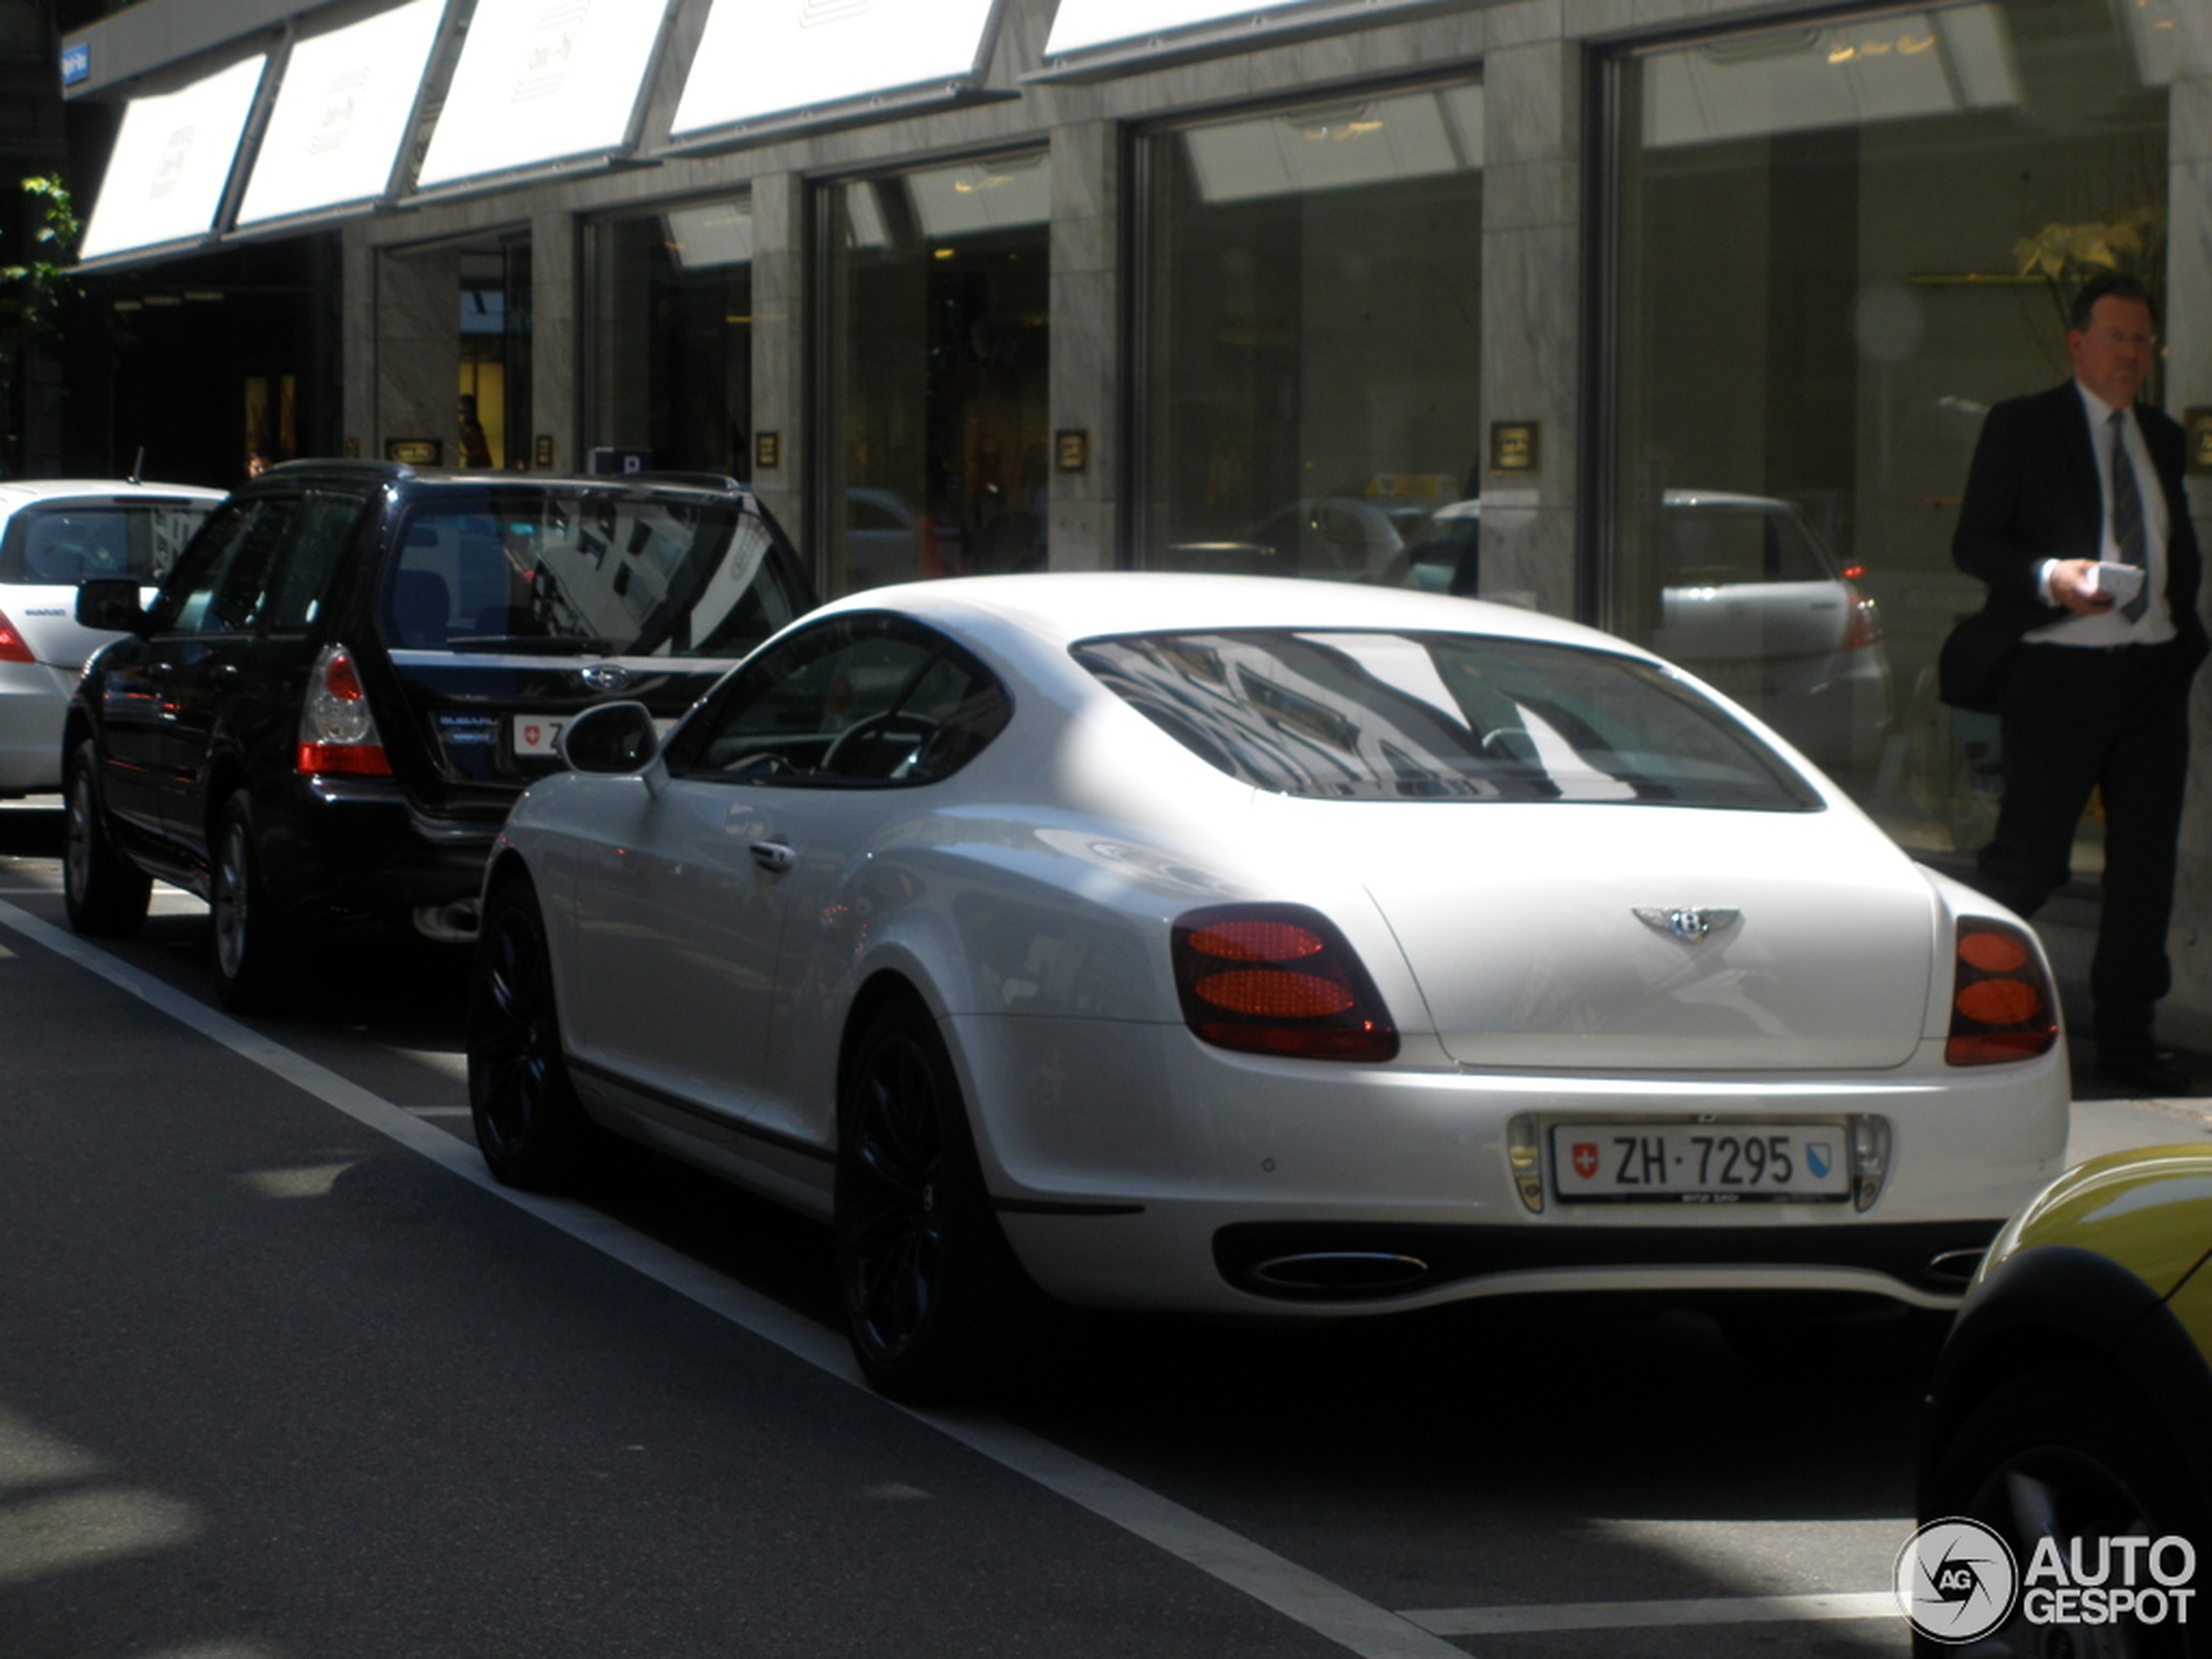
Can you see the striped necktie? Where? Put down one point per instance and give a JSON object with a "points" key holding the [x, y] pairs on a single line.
{"points": [[2127, 515]]}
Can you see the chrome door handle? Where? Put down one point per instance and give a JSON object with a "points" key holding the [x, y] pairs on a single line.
{"points": [[774, 856]]}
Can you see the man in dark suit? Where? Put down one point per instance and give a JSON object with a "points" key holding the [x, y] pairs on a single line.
{"points": [[2088, 667]]}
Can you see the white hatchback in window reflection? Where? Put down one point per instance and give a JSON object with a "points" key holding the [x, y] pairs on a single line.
{"points": [[1751, 599], [1254, 946]]}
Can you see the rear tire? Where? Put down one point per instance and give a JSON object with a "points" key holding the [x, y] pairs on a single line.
{"points": [[257, 950], [2070, 1452], [105, 894], [530, 1127], [937, 1308]]}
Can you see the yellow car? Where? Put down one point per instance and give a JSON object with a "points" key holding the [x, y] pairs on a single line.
{"points": [[2071, 1416]]}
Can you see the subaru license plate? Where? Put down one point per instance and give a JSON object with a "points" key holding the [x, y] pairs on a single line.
{"points": [[1647, 1163], [538, 734]]}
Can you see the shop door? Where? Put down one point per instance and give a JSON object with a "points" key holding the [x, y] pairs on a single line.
{"points": [[938, 394]]}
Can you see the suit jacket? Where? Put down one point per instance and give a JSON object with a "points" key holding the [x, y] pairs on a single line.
{"points": [[2032, 495]]}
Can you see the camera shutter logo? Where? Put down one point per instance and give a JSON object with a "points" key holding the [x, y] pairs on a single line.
{"points": [[1957, 1581]]}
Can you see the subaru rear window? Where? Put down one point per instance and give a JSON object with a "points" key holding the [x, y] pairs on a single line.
{"points": [[1382, 716], [587, 571], [63, 544]]}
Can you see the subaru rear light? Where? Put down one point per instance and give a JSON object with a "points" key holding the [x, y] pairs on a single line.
{"points": [[2002, 1006], [337, 731], [13, 648], [1278, 979]]}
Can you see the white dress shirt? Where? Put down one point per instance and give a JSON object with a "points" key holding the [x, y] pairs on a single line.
{"points": [[2108, 628]]}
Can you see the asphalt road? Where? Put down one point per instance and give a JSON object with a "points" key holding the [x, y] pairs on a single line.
{"points": [[284, 1376]]}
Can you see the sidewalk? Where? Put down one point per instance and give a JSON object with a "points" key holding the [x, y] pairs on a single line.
{"points": [[2068, 927]]}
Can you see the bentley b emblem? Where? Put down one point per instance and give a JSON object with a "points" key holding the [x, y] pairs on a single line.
{"points": [[1688, 924]]}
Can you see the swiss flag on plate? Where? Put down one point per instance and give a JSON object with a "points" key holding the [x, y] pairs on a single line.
{"points": [[1586, 1158], [535, 735]]}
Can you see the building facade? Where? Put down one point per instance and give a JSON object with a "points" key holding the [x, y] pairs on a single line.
{"points": [[1678, 316]]}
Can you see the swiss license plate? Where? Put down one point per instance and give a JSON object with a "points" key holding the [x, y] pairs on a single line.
{"points": [[1645, 1163], [538, 734]]}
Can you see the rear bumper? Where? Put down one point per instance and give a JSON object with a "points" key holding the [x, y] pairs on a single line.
{"points": [[1133, 1167], [358, 846], [34, 699], [1334, 1263]]}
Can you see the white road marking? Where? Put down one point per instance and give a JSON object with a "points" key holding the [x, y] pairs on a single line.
{"points": [[1653, 1615], [1329, 1610]]}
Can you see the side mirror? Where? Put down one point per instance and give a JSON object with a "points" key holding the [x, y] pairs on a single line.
{"points": [[612, 739], [110, 604]]}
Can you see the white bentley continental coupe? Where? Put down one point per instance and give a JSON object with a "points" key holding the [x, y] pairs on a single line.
{"points": [[1250, 947]]}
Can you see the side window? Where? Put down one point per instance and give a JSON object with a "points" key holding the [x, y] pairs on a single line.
{"points": [[217, 589], [857, 701], [304, 571]]}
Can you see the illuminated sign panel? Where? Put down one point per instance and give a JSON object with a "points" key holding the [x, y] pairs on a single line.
{"points": [[797, 57], [542, 81], [1104, 36], [343, 111], [171, 163]]}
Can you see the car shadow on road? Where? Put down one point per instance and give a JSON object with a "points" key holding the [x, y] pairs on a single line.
{"points": [[32, 828]]}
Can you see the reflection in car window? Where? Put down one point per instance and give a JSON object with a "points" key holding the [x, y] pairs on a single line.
{"points": [[861, 699], [217, 588], [74, 541], [306, 568], [583, 569], [1711, 544], [1379, 716]]}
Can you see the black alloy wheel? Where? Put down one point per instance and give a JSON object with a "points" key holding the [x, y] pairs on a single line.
{"points": [[258, 951], [2069, 1455], [937, 1308], [105, 893], [530, 1127]]}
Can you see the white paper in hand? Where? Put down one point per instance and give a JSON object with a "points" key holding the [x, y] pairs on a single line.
{"points": [[2122, 582]]}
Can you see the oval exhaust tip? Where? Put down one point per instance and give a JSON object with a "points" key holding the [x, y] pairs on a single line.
{"points": [[1954, 1266], [1341, 1270]]}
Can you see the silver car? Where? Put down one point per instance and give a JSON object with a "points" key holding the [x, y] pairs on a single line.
{"points": [[1751, 600], [54, 535]]}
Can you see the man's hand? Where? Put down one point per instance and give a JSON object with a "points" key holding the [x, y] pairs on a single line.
{"points": [[2074, 585]]}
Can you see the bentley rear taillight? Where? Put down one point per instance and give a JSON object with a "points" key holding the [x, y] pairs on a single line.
{"points": [[1278, 979], [2002, 1006], [337, 731]]}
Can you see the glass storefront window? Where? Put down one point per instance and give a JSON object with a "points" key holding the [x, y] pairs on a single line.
{"points": [[671, 337], [1836, 245], [935, 372], [1310, 364]]}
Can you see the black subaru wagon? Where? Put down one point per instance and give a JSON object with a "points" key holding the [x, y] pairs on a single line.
{"points": [[355, 667]]}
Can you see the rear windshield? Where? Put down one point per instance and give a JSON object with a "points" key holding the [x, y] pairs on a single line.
{"points": [[66, 543], [1378, 716], [589, 571]]}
